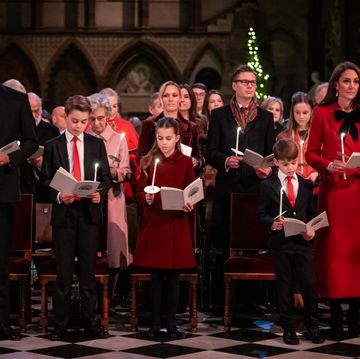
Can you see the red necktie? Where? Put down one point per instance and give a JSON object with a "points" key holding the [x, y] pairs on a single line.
{"points": [[76, 160], [290, 191]]}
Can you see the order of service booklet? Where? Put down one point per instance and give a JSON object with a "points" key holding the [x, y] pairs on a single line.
{"points": [[175, 199], [254, 159], [293, 226], [10, 148], [39, 152], [353, 161], [65, 182]]}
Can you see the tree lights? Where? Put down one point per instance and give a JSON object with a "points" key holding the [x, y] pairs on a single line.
{"points": [[254, 63]]}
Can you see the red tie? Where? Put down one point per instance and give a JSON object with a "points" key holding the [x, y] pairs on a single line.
{"points": [[290, 191], [76, 160]]}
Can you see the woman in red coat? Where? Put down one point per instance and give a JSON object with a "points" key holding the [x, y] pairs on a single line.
{"points": [[338, 250], [164, 244]]}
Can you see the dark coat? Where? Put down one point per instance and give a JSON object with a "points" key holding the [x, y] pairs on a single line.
{"points": [[55, 156], [259, 136], [269, 203], [16, 123], [164, 239]]}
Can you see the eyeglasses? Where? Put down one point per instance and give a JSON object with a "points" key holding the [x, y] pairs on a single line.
{"points": [[246, 82]]}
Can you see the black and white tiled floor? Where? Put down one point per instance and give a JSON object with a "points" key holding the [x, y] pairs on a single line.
{"points": [[253, 336]]}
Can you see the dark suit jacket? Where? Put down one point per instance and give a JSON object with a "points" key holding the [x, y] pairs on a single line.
{"points": [[56, 155], [269, 202], [258, 136], [28, 172], [16, 123]]}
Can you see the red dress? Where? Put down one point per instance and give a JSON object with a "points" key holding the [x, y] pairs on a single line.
{"points": [[337, 252], [164, 240]]}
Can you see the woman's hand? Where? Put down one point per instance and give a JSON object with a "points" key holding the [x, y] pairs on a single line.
{"points": [[188, 207], [149, 198], [313, 177], [336, 166]]}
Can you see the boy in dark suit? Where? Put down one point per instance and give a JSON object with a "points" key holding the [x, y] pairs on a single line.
{"points": [[292, 256], [76, 221]]}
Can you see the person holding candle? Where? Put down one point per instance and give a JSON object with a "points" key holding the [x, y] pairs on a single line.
{"points": [[119, 256], [298, 129], [337, 262], [292, 256], [76, 221], [256, 132], [164, 244]]}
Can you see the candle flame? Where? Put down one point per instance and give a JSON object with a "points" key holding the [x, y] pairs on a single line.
{"points": [[343, 134], [96, 165], [302, 142], [157, 160], [122, 135]]}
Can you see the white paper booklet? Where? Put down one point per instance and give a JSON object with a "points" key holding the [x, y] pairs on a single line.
{"points": [[65, 182], [186, 150], [10, 148], [39, 152], [254, 159], [175, 199], [294, 226], [354, 160]]}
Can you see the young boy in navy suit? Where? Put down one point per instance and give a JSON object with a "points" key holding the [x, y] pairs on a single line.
{"points": [[292, 256], [76, 221]]}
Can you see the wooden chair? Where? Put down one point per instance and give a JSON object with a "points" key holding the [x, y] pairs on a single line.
{"points": [[20, 257], [137, 276], [47, 269], [248, 258]]}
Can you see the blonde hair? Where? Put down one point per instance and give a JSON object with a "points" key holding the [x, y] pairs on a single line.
{"points": [[269, 101]]}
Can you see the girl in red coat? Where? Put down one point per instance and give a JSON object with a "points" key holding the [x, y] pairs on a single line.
{"points": [[337, 251], [164, 244]]}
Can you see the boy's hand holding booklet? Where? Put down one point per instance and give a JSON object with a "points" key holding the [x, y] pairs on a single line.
{"points": [[65, 182], [293, 226], [175, 199]]}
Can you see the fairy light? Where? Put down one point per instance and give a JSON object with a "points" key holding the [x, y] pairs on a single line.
{"points": [[254, 63]]}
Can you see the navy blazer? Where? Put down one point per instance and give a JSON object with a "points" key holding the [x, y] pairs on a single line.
{"points": [[269, 203], [56, 155], [16, 123], [258, 136]]}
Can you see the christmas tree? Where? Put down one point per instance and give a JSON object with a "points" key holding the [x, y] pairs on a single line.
{"points": [[254, 63]]}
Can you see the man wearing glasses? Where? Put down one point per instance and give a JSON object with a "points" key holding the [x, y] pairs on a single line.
{"points": [[241, 124]]}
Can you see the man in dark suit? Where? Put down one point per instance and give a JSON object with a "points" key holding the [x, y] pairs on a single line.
{"points": [[241, 122], [76, 221], [16, 123], [292, 256], [30, 170]]}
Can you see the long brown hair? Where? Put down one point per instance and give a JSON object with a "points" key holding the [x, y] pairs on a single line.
{"points": [[164, 122], [297, 97], [192, 110], [335, 76]]}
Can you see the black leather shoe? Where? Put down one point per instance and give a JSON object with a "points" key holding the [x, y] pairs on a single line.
{"points": [[96, 332], [7, 333], [57, 334], [290, 337], [314, 335]]}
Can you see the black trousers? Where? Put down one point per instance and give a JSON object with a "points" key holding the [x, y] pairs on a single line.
{"points": [[7, 223], [170, 280], [78, 239], [295, 265]]}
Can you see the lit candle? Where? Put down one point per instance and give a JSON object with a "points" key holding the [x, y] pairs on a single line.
{"points": [[153, 179], [281, 200], [237, 140], [95, 174], [342, 136], [302, 155]]}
